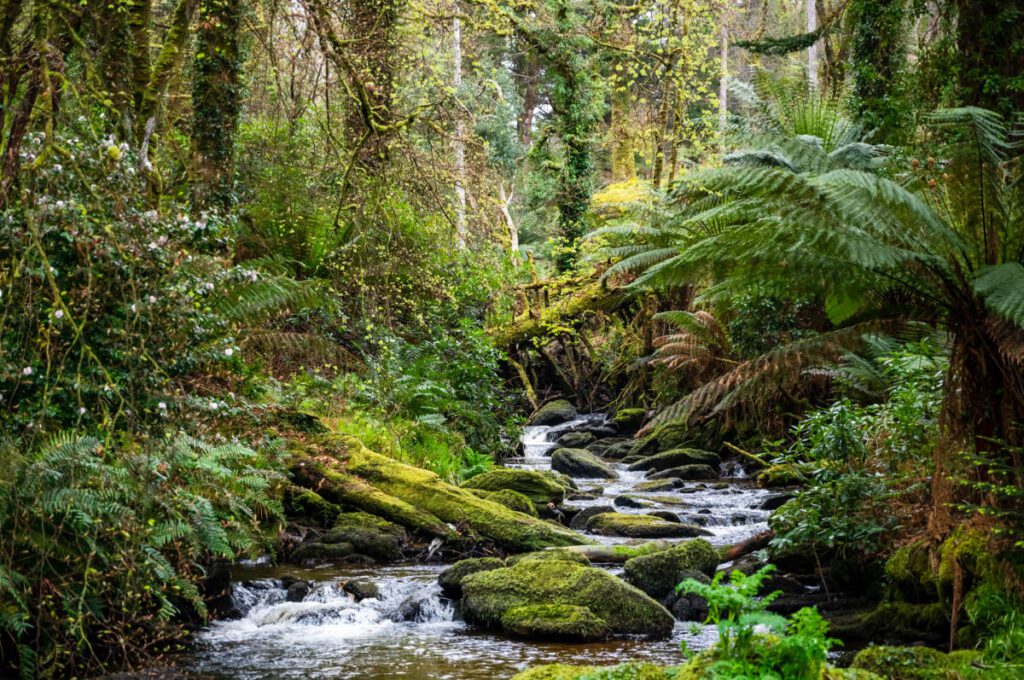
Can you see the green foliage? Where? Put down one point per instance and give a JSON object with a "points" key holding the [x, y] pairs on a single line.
{"points": [[102, 546], [878, 63], [754, 643]]}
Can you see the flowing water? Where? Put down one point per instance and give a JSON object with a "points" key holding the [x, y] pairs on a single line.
{"points": [[410, 631]]}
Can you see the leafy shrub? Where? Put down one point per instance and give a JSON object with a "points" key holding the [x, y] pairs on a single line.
{"points": [[755, 643], [102, 545]]}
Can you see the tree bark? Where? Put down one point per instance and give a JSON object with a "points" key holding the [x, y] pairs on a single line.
{"points": [[459, 142]]}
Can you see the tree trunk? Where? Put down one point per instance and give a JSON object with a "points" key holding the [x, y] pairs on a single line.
{"points": [[812, 51], [990, 41], [878, 61], [723, 81], [623, 166], [216, 103], [459, 143]]}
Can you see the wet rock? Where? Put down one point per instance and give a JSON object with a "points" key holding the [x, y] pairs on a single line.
{"points": [[720, 486], [665, 515], [369, 535], [659, 573], [488, 596], [451, 578], [619, 450], [581, 463], [316, 551], [629, 418], [362, 589], [570, 623], [579, 522], [641, 526], [412, 608], [660, 485], [629, 502], [686, 472], [513, 500], [553, 413], [582, 496], [309, 508], [599, 431], [775, 501], [780, 475], [916, 663], [297, 591], [675, 458], [216, 589], [601, 446], [783, 583], [556, 555], [575, 440], [539, 487], [690, 608]]}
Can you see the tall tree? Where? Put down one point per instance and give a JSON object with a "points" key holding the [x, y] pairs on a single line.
{"points": [[990, 42], [879, 55]]}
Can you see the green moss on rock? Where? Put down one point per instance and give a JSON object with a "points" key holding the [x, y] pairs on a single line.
{"points": [[450, 579], [658, 574], [641, 526], [626, 610], [629, 418], [686, 472], [909, 571], [368, 534], [555, 622], [553, 413], [625, 671], [512, 500], [676, 458], [780, 475], [917, 663], [540, 488], [576, 440], [309, 506], [555, 555], [581, 463]]}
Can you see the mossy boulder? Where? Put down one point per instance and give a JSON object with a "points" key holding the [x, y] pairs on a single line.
{"points": [[581, 463], [369, 535], [318, 551], [785, 474], [685, 472], [450, 579], [676, 458], [909, 572], [553, 413], [487, 596], [677, 435], [895, 623], [579, 520], [659, 573], [513, 500], [539, 487], [601, 446], [555, 555], [576, 440], [641, 526], [670, 484], [917, 663], [555, 622], [634, 670], [619, 554], [629, 418]]}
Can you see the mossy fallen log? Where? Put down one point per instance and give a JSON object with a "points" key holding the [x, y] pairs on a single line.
{"points": [[366, 478], [562, 315], [343, 489]]}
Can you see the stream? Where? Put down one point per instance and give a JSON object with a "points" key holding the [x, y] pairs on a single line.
{"points": [[410, 631]]}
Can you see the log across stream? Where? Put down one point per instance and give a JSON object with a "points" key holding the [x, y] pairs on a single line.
{"points": [[406, 629]]}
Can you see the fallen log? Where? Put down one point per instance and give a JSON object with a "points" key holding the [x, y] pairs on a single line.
{"points": [[372, 479], [563, 314], [752, 544]]}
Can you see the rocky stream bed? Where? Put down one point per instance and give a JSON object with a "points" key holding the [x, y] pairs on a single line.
{"points": [[376, 621]]}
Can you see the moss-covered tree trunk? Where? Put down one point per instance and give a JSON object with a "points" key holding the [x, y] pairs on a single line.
{"points": [[878, 30], [990, 42], [216, 102]]}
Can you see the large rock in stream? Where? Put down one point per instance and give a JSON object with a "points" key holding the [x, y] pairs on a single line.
{"points": [[641, 526], [676, 458], [581, 463], [685, 472], [659, 573], [540, 487], [553, 413], [554, 589]]}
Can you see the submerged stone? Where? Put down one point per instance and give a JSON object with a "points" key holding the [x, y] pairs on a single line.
{"points": [[581, 463], [487, 596]]}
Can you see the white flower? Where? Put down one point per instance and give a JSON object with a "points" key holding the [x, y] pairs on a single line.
{"points": [[152, 299], [81, 410], [60, 205], [214, 405], [59, 314], [162, 406], [27, 371], [209, 285], [134, 308], [58, 168], [150, 215], [228, 352]]}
